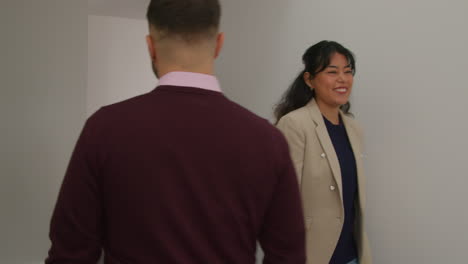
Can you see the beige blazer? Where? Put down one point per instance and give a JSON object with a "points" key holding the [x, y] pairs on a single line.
{"points": [[319, 174]]}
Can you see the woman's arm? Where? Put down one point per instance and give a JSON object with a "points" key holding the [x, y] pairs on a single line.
{"points": [[295, 137]]}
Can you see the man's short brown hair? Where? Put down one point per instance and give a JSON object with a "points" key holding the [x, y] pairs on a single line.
{"points": [[189, 19]]}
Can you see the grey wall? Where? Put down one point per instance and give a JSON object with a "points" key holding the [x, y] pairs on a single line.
{"points": [[409, 95], [42, 109], [119, 66]]}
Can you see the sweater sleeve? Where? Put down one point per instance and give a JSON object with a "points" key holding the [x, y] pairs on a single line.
{"points": [[76, 225], [283, 234]]}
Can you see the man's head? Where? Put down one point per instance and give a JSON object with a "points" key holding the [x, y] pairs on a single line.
{"points": [[184, 35]]}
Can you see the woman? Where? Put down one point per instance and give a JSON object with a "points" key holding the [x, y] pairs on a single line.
{"points": [[325, 145]]}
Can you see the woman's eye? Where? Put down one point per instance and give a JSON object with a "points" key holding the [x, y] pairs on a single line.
{"points": [[349, 72], [332, 72]]}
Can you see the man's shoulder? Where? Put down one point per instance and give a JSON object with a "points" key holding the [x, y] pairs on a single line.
{"points": [[248, 117], [127, 104], [111, 113], [261, 127], [123, 107]]}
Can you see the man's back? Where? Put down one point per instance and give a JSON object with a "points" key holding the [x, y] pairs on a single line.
{"points": [[179, 175]]}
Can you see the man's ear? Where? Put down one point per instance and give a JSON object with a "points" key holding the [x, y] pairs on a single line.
{"points": [[151, 48], [219, 43]]}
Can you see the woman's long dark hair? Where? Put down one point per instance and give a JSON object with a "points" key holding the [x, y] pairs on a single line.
{"points": [[315, 59]]}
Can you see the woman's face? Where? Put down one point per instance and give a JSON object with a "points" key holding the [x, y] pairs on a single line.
{"points": [[332, 85]]}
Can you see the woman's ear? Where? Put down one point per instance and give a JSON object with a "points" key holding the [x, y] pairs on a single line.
{"points": [[308, 80]]}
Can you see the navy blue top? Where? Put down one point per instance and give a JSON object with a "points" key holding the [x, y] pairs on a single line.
{"points": [[346, 248]]}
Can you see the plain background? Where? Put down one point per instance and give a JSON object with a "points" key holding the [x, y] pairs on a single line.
{"points": [[61, 60], [43, 60], [119, 66]]}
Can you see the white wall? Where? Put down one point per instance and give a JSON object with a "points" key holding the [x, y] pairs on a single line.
{"points": [[42, 108], [119, 66], [410, 95]]}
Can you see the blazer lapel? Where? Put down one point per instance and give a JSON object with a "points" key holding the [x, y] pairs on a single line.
{"points": [[355, 142], [327, 145]]}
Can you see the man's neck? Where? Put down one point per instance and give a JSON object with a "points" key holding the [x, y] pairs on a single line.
{"points": [[203, 69]]}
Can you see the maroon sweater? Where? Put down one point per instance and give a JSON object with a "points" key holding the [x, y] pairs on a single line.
{"points": [[178, 175]]}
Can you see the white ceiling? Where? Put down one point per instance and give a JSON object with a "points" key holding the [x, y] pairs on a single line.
{"points": [[118, 8]]}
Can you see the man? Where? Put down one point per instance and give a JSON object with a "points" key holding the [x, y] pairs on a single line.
{"points": [[181, 174]]}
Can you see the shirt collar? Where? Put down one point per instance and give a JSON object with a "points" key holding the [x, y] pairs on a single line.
{"points": [[190, 79]]}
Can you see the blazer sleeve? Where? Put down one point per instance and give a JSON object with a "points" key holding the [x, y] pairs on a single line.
{"points": [[296, 141]]}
